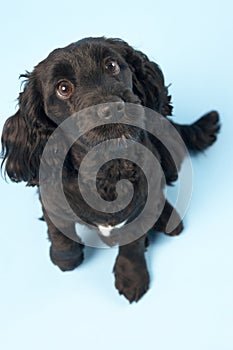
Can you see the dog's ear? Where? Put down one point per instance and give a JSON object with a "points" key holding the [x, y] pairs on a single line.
{"points": [[148, 80], [25, 134]]}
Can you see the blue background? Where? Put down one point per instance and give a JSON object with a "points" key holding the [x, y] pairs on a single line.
{"points": [[190, 301]]}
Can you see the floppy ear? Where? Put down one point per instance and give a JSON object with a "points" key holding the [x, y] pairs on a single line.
{"points": [[148, 80], [25, 134]]}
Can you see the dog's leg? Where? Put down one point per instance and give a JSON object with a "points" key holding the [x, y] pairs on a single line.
{"points": [[131, 274], [169, 215], [66, 253], [201, 134]]}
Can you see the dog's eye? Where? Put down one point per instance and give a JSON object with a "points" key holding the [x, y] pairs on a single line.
{"points": [[64, 89], [113, 67]]}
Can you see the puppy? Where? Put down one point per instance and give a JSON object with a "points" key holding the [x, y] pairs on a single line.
{"points": [[102, 78]]}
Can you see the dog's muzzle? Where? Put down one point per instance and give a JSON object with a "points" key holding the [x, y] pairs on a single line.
{"points": [[114, 110]]}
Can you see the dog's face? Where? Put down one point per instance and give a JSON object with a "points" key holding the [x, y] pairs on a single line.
{"points": [[82, 75], [85, 74]]}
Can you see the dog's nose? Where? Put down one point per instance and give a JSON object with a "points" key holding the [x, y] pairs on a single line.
{"points": [[107, 110]]}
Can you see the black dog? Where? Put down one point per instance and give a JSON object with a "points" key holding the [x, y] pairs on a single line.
{"points": [[97, 71]]}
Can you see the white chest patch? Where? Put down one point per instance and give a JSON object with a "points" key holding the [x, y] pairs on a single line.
{"points": [[106, 230]]}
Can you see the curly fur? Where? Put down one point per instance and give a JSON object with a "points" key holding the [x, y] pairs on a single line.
{"points": [[26, 133]]}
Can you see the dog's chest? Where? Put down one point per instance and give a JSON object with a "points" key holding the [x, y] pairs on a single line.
{"points": [[106, 230], [114, 171], [106, 186]]}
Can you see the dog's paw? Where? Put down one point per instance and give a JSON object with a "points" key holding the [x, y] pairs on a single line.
{"points": [[131, 278], [207, 128], [66, 260]]}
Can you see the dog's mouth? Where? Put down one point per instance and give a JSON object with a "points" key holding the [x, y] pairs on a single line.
{"points": [[115, 122], [120, 135]]}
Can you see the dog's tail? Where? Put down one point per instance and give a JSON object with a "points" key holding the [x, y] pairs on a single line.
{"points": [[201, 134]]}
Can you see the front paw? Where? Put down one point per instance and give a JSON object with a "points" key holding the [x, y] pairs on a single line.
{"points": [[67, 260], [131, 277]]}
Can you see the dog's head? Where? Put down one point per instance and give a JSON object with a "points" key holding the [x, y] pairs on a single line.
{"points": [[90, 72]]}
